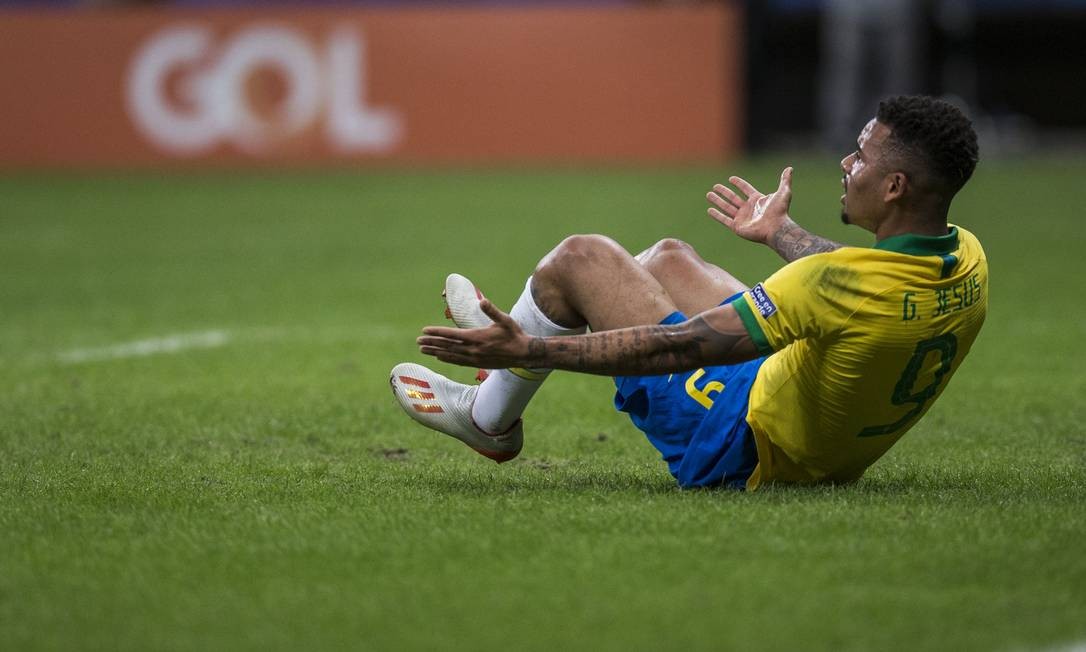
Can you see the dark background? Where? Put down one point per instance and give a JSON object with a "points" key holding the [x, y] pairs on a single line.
{"points": [[1027, 57]]}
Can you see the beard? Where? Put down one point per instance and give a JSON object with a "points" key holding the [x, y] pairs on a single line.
{"points": [[844, 205]]}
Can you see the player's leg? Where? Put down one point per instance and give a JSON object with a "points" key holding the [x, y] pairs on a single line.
{"points": [[584, 280], [576, 283], [587, 280], [591, 279], [693, 284]]}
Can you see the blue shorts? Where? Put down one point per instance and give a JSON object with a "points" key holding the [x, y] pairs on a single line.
{"points": [[696, 419]]}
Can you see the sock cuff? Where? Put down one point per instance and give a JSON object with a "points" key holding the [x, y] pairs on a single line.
{"points": [[537, 320]]}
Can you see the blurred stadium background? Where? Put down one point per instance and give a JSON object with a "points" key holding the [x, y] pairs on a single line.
{"points": [[197, 82]]}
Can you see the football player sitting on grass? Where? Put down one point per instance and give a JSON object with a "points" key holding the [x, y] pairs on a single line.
{"points": [[809, 376]]}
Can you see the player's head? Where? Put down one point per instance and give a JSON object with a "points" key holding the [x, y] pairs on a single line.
{"points": [[916, 154]]}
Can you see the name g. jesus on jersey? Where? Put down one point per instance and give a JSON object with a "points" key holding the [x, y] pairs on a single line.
{"points": [[951, 298]]}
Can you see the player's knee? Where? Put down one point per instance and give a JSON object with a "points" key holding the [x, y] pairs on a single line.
{"points": [[579, 251], [590, 245], [672, 246], [667, 253]]}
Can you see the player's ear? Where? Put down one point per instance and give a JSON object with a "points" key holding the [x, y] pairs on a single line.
{"points": [[894, 186]]}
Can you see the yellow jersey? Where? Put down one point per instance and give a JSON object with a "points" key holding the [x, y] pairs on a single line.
{"points": [[863, 341]]}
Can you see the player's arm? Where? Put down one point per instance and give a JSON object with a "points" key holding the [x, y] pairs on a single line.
{"points": [[764, 218], [714, 337]]}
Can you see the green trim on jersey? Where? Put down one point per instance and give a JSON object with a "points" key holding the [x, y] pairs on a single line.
{"points": [[751, 323], [921, 245], [949, 262]]}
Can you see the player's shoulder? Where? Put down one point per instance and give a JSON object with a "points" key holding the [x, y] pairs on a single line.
{"points": [[835, 257], [846, 257], [839, 272], [968, 243]]}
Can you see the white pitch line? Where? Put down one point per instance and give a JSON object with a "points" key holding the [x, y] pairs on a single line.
{"points": [[1078, 646], [1073, 647], [151, 346]]}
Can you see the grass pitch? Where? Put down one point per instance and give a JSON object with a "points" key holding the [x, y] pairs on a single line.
{"points": [[198, 448]]}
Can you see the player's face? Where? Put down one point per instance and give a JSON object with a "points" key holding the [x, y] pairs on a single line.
{"points": [[862, 178]]}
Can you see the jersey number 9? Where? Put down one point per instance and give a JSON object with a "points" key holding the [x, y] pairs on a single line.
{"points": [[947, 347]]}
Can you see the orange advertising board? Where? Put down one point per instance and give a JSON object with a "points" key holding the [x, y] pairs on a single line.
{"points": [[402, 86]]}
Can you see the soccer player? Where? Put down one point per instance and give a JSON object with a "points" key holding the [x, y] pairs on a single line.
{"points": [[809, 376]]}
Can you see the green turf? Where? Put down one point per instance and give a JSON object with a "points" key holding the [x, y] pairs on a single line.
{"points": [[267, 494]]}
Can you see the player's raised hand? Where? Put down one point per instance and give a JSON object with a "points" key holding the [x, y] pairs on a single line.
{"points": [[500, 345], [755, 216]]}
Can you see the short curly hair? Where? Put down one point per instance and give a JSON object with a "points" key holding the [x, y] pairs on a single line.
{"points": [[932, 136]]}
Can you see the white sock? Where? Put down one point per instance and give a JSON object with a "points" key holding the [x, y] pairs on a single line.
{"points": [[505, 393]]}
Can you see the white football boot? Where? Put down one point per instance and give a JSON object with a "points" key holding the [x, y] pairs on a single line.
{"points": [[462, 303], [462, 307], [445, 406]]}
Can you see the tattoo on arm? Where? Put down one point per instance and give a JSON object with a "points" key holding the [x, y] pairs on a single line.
{"points": [[646, 350], [793, 242]]}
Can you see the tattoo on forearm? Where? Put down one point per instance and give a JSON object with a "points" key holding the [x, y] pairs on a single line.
{"points": [[642, 350], [537, 348], [793, 242]]}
